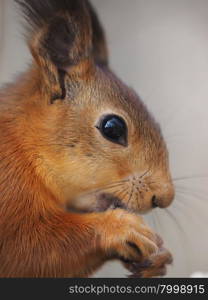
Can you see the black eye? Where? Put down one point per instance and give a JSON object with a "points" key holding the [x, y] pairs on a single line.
{"points": [[114, 129]]}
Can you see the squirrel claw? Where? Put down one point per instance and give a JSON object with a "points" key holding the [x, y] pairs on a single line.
{"points": [[155, 266]]}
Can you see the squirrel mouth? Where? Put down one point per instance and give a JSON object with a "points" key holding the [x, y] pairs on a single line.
{"points": [[107, 201], [96, 203]]}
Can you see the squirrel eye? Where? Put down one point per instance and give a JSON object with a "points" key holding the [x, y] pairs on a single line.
{"points": [[114, 128]]}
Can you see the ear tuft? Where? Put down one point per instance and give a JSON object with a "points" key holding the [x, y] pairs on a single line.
{"points": [[64, 36], [100, 50], [62, 27], [59, 41], [59, 36]]}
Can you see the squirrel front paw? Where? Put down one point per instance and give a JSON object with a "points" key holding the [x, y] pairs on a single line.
{"points": [[125, 236], [154, 266]]}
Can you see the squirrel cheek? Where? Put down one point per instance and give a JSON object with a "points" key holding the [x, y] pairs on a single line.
{"points": [[123, 170]]}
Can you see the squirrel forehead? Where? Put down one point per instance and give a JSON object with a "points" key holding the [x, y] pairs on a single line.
{"points": [[104, 88], [104, 93]]}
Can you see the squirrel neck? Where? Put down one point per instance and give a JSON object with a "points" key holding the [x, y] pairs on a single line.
{"points": [[22, 190]]}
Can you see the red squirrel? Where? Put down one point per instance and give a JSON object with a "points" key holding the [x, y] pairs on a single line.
{"points": [[70, 128]]}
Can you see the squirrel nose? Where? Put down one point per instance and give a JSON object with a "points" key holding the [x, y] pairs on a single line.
{"points": [[161, 202], [154, 202], [163, 197]]}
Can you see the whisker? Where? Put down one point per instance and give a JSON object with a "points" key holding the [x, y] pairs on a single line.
{"points": [[155, 221], [122, 192], [184, 239], [130, 195], [104, 188], [170, 214], [182, 207], [188, 213], [190, 177], [152, 182], [178, 203], [125, 192], [192, 193], [138, 203], [199, 197], [185, 188], [119, 181], [145, 173]]}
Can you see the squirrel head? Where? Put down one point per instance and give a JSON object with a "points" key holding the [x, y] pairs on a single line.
{"points": [[95, 143]]}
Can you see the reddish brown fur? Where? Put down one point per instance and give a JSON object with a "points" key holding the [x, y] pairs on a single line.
{"points": [[50, 154]]}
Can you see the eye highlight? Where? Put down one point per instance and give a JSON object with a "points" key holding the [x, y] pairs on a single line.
{"points": [[114, 129]]}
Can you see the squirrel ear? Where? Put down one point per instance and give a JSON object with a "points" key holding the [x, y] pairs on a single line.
{"points": [[60, 37], [100, 50]]}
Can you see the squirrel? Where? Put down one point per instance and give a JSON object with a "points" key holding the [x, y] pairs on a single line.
{"points": [[69, 127]]}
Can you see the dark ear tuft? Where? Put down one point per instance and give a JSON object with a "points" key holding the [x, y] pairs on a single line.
{"points": [[59, 35], [100, 50], [63, 28], [59, 41], [39, 12], [63, 34]]}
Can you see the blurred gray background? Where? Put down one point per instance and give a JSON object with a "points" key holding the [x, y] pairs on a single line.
{"points": [[160, 48]]}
